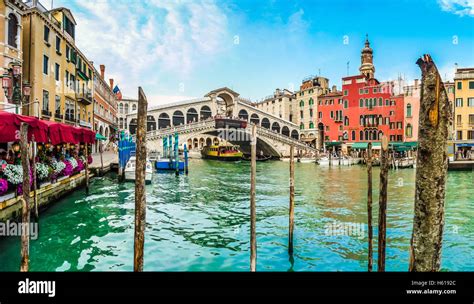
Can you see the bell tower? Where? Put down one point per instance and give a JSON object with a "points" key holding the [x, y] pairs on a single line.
{"points": [[366, 59]]}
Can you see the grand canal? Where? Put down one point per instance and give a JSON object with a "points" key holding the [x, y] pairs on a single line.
{"points": [[200, 222]]}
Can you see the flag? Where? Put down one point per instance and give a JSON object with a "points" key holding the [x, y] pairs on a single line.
{"points": [[117, 93]]}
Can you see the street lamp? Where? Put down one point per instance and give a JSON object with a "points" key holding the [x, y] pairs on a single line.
{"points": [[6, 83], [26, 89], [16, 67]]}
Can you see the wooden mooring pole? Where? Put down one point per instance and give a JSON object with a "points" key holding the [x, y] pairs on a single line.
{"points": [[25, 211], [369, 204], [253, 214], [86, 153], [101, 150], [140, 195], [33, 171], [431, 170], [292, 200], [384, 164]]}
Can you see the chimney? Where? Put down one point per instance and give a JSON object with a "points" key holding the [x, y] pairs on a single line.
{"points": [[111, 81], [102, 71], [334, 88], [416, 84]]}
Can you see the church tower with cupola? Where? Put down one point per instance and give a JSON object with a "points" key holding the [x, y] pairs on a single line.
{"points": [[366, 59]]}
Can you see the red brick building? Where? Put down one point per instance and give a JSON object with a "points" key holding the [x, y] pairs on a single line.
{"points": [[365, 111]]}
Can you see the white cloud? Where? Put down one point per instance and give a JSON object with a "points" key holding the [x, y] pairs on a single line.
{"points": [[458, 7], [139, 41]]}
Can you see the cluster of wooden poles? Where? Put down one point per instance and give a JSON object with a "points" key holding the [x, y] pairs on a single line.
{"points": [[426, 241]]}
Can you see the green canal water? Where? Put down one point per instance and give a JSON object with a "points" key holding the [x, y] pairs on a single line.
{"points": [[200, 222]]}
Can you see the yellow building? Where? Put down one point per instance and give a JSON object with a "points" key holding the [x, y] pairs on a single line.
{"points": [[464, 104], [305, 107], [11, 12], [60, 75]]}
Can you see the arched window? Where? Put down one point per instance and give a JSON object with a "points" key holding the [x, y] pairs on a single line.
{"points": [[311, 125], [361, 135], [409, 110], [12, 30], [311, 101], [121, 108], [126, 108], [134, 107], [301, 103], [362, 120], [346, 121], [353, 135], [409, 130], [301, 126]]}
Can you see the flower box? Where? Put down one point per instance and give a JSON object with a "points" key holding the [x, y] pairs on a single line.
{"points": [[42, 185], [7, 196], [61, 178]]}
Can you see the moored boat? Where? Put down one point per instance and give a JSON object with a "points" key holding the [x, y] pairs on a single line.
{"points": [[222, 152], [130, 170]]}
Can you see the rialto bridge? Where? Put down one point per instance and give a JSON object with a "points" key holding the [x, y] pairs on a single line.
{"points": [[194, 121]]}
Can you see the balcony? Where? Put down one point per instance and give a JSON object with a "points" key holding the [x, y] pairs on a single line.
{"points": [[85, 98]]}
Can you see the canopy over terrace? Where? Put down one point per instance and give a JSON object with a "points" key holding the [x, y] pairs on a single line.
{"points": [[43, 131]]}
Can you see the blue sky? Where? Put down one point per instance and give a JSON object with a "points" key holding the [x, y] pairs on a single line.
{"points": [[183, 49]]}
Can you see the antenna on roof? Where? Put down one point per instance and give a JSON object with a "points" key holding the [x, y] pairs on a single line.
{"points": [[348, 68], [52, 2]]}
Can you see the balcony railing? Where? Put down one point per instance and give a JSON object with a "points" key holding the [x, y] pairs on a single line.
{"points": [[85, 97]]}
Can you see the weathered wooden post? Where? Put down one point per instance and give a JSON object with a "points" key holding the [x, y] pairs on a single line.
{"points": [[431, 170], [25, 211], [369, 204], [384, 163], [253, 214], [140, 195], [292, 200], [330, 157], [101, 150], [33, 171], [185, 159], [86, 153]]}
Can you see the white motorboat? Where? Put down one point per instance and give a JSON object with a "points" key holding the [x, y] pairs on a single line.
{"points": [[335, 161], [306, 160], [130, 170]]}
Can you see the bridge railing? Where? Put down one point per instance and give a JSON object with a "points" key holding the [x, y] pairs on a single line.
{"points": [[286, 139], [210, 123], [181, 128]]}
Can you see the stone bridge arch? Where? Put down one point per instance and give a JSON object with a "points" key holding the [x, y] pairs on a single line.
{"points": [[224, 99]]}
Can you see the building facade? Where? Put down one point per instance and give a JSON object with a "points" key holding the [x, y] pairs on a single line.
{"points": [[60, 75], [105, 106], [364, 110], [278, 104], [125, 107], [11, 54], [330, 123], [464, 104]]}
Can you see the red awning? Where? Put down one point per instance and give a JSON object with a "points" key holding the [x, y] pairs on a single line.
{"points": [[10, 127], [44, 130]]}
